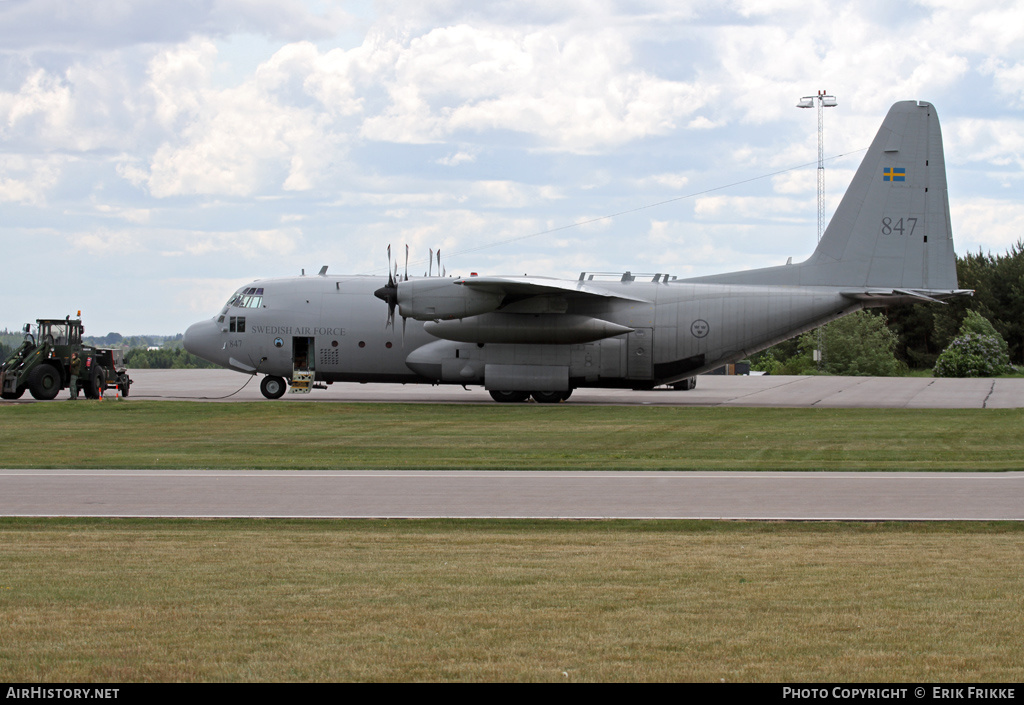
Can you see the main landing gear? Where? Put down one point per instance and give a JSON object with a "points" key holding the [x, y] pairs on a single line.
{"points": [[512, 397]]}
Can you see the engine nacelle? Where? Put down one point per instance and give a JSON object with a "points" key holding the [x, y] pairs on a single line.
{"points": [[433, 299], [525, 328]]}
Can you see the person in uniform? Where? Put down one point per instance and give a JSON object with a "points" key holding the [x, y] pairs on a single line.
{"points": [[75, 369]]}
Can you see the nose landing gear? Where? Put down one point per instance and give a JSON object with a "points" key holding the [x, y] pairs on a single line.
{"points": [[273, 387]]}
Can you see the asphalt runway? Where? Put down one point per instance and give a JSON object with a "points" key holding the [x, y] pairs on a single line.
{"points": [[551, 495], [595, 494], [712, 390]]}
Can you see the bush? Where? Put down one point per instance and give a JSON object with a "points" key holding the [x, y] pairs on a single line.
{"points": [[858, 344], [973, 355]]}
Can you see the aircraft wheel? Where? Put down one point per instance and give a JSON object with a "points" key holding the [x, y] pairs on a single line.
{"points": [[273, 387], [548, 397], [44, 383], [509, 397], [566, 394], [686, 384]]}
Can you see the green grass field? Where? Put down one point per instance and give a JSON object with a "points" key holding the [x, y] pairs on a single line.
{"points": [[133, 434], [162, 600], [132, 600]]}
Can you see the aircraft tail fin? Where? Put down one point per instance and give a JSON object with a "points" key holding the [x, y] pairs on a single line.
{"points": [[892, 228]]}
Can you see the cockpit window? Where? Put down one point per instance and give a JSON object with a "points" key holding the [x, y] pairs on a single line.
{"points": [[249, 297]]}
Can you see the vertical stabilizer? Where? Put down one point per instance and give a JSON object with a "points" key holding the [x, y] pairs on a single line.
{"points": [[892, 228]]}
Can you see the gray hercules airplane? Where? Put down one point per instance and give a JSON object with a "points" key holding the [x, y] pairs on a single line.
{"points": [[889, 242]]}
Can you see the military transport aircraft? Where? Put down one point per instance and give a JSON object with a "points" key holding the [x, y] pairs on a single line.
{"points": [[889, 242]]}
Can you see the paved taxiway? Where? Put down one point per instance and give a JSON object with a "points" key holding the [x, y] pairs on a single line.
{"points": [[712, 390], [597, 494], [577, 495]]}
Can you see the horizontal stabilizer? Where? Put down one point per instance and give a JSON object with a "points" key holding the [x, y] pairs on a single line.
{"points": [[891, 296]]}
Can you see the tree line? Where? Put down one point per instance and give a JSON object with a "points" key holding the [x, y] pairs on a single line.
{"points": [[137, 353], [903, 338]]}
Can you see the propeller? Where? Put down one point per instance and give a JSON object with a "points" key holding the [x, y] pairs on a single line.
{"points": [[389, 292]]}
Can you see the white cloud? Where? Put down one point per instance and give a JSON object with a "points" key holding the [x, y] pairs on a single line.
{"points": [[988, 224], [573, 94], [508, 194], [237, 141], [84, 25], [178, 79], [199, 296], [27, 179], [133, 215], [671, 181], [40, 110], [993, 140], [457, 158], [106, 242], [732, 208], [248, 244]]}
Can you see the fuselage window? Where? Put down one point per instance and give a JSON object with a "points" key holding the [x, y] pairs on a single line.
{"points": [[237, 324]]}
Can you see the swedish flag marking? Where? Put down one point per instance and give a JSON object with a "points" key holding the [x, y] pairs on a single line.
{"points": [[891, 174]]}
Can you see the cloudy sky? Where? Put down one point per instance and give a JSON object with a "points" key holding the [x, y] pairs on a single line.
{"points": [[155, 155]]}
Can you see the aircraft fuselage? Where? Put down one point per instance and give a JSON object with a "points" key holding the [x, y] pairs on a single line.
{"points": [[662, 333]]}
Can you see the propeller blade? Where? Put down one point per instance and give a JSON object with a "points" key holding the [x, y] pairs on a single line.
{"points": [[389, 293], [406, 263], [391, 281], [430, 261]]}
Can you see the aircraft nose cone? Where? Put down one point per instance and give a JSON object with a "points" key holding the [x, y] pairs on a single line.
{"points": [[203, 340]]}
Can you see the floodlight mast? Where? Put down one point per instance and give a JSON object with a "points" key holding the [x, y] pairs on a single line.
{"points": [[822, 100]]}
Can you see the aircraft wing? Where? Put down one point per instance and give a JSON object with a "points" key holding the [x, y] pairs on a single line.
{"points": [[522, 287]]}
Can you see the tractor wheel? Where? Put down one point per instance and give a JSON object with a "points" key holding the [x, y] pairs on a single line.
{"points": [[509, 397], [273, 387], [94, 387], [124, 383], [13, 395], [44, 382]]}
